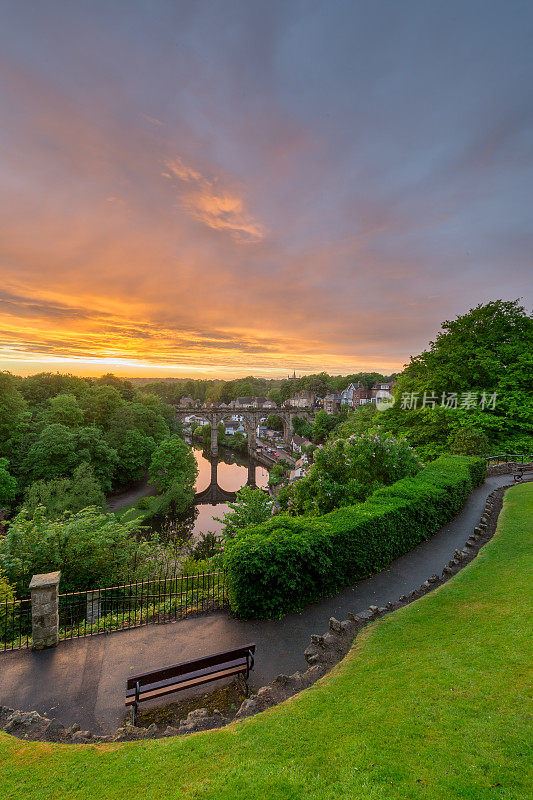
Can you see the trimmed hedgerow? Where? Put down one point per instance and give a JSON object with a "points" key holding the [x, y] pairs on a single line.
{"points": [[287, 562]]}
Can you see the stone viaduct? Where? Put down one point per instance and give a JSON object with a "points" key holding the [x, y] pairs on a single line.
{"points": [[251, 418]]}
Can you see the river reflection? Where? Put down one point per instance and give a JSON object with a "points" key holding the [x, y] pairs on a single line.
{"points": [[218, 480]]}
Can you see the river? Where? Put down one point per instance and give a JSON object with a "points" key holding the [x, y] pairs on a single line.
{"points": [[216, 478]]}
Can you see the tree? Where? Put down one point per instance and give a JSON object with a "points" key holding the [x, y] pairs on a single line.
{"points": [[274, 423], [66, 494], [302, 427], [100, 403], [38, 389], [53, 454], [93, 448], [90, 548], [135, 416], [251, 507], [470, 442], [8, 484], [322, 425], [64, 409], [7, 596], [173, 470], [275, 396], [14, 414], [134, 452], [483, 355], [345, 472], [125, 387]]}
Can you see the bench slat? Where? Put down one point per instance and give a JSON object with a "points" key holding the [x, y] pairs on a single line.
{"points": [[189, 666], [178, 680], [185, 684]]}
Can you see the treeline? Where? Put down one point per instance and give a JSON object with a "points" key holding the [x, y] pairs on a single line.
{"points": [[218, 391], [66, 442]]}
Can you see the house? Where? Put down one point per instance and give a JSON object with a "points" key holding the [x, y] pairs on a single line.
{"points": [[332, 403], [299, 443], [302, 400], [186, 402], [232, 427], [259, 402], [382, 392], [269, 404], [299, 470], [244, 402], [355, 395], [262, 430]]}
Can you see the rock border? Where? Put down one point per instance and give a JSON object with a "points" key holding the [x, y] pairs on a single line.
{"points": [[323, 653]]}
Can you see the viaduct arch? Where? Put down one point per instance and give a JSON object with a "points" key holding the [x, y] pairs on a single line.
{"points": [[251, 418]]}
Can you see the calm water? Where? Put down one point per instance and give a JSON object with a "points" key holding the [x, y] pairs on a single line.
{"points": [[232, 471], [232, 475]]}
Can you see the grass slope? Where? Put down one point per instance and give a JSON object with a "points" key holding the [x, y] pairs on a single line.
{"points": [[430, 703]]}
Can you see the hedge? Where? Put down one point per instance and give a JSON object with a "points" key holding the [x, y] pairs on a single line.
{"points": [[287, 562]]}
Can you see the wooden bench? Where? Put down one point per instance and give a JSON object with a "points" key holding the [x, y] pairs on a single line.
{"points": [[167, 680], [519, 473]]}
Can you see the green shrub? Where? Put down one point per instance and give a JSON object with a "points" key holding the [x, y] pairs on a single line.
{"points": [[287, 562], [7, 595]]}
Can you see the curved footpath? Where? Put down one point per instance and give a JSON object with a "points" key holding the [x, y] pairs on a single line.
{"points": [[83, 680]]}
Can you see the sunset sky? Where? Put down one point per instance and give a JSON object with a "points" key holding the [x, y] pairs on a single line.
{"points": [[227, 188]]}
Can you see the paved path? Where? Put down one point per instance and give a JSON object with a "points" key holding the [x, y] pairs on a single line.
{"points": [[83, 680]]}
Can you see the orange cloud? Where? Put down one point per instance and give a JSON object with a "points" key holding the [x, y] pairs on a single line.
{"points": [[217, 208]]}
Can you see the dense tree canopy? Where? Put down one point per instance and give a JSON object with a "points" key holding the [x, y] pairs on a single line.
{"points": [[478, 373]]}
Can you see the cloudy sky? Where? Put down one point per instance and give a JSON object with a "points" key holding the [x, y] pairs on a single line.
{"points": [[225, 188]]}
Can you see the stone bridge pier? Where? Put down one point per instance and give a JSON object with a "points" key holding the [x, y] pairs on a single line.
{"points": [[251, 417]]}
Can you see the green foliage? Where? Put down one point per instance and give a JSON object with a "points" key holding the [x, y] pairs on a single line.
{"points": [[173, 470], [38, 389], [302, 427], [66, 494], [134, 453], [65, 410], [323, 424], [347, 471], [274, 423], [277, 474], [125, 387], [487, 350], [59, 450], [251, 507], [7, 596], [287, 562], [53, 454], [100, 404], [14, 415], [8, 484], [90, 548], [135, 416], [470, 442]]}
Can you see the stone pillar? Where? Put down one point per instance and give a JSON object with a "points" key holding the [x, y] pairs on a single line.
{"points": [[287, 433], [93, 611], [251, 473], [45, 610], [214, 439], [214, 472], [251, 438]]}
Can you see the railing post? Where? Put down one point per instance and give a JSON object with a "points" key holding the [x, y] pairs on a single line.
{"points": [[93, 610], [45, 610]]}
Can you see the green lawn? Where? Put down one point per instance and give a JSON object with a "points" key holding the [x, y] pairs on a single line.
{"points": [[430, 703]]}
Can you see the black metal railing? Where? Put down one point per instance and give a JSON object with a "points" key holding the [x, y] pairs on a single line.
{"points": [[130, 605], [507, 458], [15, 624]]}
